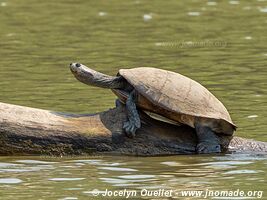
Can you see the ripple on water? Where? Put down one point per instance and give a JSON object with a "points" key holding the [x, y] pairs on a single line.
{"points": [[197, 172], [10, 167], [92, 192], [126, 179], [102, 173], [101, 14], [66, 179], [20, 170], [97, 162], [10, 180], [264, 10], [176, 164], [193, 13], [147, 17], [234, 2], [244, 171], [252, 116], [34, 162], [247, 8], [171, 163], [248, 37], [139, 176], [241, 158], [118, 169], [4, 164], [65, 173], [3, 4], [114, 180], [73, 189], [69, 198], [223, 163], [211, 3], [71, 166]]}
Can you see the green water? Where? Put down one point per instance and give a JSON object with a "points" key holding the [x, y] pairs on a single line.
{"points": [[222, 45]]}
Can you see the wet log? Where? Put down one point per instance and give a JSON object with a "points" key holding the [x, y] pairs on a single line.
{"points": [[30, 131]]}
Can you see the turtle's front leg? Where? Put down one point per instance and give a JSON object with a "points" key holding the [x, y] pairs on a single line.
{"points": [[133, 122]]}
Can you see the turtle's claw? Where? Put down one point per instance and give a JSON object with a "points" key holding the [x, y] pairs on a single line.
{"points": [[206, 147], [126, 124], [129, 129]]}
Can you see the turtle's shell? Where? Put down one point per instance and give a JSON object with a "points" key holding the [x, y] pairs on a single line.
{"points": [[179, 98]]}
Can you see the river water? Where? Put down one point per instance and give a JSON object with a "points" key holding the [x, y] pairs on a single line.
{"points": [[221, 44]]}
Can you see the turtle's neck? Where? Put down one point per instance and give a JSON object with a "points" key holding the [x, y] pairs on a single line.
{"points": [[106, 81], [91, 77]]}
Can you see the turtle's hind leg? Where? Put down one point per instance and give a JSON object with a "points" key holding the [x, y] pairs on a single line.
{"points": [[208, 141], [133, 122]]}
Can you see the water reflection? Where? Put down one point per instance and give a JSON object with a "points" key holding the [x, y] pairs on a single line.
{"points": [[243, 171], [10, 180], [193, 13], [66, 179]]}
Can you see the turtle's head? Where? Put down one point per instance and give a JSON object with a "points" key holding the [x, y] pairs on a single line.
{"points": [[83, 73], [78, 69], [90, 76]]}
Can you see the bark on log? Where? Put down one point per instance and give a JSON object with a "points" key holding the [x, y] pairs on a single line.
{"points": [[30, 131]]}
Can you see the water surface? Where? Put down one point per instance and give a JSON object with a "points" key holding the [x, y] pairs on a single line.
{"points": [[79, 178], [221, 44]]}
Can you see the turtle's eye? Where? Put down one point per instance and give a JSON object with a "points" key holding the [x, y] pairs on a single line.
{"points": [[78, 65]]}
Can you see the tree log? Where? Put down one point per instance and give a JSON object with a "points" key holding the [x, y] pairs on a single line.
{"points": [[30, 131]]}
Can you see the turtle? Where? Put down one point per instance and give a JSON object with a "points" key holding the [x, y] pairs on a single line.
{"points": [[167, 96]]}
